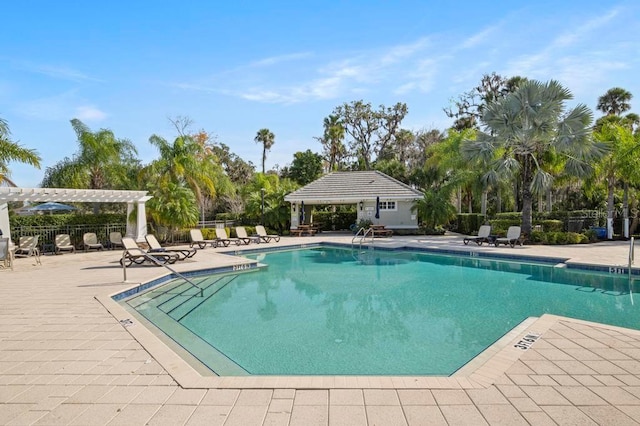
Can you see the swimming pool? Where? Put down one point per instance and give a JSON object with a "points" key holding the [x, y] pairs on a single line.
{"points": [[331, 311]]}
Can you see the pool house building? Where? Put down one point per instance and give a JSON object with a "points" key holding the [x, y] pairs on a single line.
{"points": [[375, 195]]}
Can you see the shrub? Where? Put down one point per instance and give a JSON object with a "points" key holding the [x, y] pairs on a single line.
{"points": [[500, 226], [469, 223], [364, 223], [573, 238], [592, 235], [551, 225], [509, 216], [537, 237], [334, 220]]}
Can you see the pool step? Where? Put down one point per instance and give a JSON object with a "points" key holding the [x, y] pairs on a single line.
{"points": [[188, 305], [161, 294]]}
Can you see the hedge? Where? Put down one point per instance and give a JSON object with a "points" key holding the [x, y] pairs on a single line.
{"points": [[469, 223], [67, 219], [334, 220]]}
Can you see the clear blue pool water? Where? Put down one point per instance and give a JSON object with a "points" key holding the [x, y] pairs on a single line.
{"points": [[328, 311]]}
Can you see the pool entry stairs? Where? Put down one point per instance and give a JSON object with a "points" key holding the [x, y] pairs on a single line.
{"points": [[180, 298]]}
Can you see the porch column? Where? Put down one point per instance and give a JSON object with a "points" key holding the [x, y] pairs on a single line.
{"points": [[4, 221], [131, 225], [141, 225]]}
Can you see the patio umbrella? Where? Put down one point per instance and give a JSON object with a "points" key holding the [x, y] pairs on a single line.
{"points": [[377, 207], [51, 208], [301, 212]]}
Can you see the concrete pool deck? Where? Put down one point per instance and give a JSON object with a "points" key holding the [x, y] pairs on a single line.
{"points": [[65, 359]]}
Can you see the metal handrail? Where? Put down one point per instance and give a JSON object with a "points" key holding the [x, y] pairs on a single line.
{"points": [[364, 232], [157, 262], [631, 254]]}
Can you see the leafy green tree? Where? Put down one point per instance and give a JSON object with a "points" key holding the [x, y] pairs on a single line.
{"points": [[101, 162], [435, 208], [276, 211], [619, 165], [306, 167], [173, 205], [522, 127], [467, 108], [372, 130], [185, 163], [12, 151], [615, 101], [267, 139]]}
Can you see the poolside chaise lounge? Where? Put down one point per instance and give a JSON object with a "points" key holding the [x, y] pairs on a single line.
{"points": [[512, 238], [223, 238], [483, 236], [198, 239], [63, 243], [90, 242], [28, 246], [156, 247], [241, 232], [115, 240], [134, 254], [262, 233]]}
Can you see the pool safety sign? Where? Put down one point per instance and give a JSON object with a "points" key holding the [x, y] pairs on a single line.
{"points": [[527, 341]]}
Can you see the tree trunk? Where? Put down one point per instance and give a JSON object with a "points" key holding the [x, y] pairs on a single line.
{"points": [[483, 202], [549, 200], [498, 201], [527, 197], [459, 201]]}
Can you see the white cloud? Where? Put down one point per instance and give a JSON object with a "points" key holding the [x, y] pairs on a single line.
{"points": [[273, 60], [89, 113], [60, 72], [64, 106], [478, 38]]}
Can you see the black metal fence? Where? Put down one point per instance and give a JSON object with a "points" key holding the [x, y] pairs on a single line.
{"points": [[48, 233]]}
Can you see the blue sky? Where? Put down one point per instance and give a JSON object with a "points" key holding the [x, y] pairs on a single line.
{"points": [[236, 67]]}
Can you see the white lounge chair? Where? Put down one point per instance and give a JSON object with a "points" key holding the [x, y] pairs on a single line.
{"points": [[156, 247], [63, 243], [90, 242], [246, 239], [115, 240], [28, 246], [262, 233], [134, 254], [483, 236], [512, 238], [198, 239], [224, 239]]}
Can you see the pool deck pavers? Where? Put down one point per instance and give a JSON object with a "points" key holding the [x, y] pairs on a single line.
{"points": [[65, 359]]}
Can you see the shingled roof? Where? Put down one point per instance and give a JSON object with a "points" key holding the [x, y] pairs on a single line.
{"points": [[351, 187]]}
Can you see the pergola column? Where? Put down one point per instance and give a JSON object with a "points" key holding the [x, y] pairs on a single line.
{"points": [[4, 221]]}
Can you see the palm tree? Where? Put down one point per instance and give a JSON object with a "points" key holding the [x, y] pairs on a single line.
{"points": [[102, 161], [615, 101], [12, 151], [332, 140], [435, 208], [183, 164], [520, 130], [267, 139], [619, 165]]}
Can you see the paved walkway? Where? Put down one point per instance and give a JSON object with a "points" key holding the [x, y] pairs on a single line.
{"points": [[65, 359]]}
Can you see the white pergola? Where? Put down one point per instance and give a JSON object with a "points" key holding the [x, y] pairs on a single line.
{"points": [[134, 199]]}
